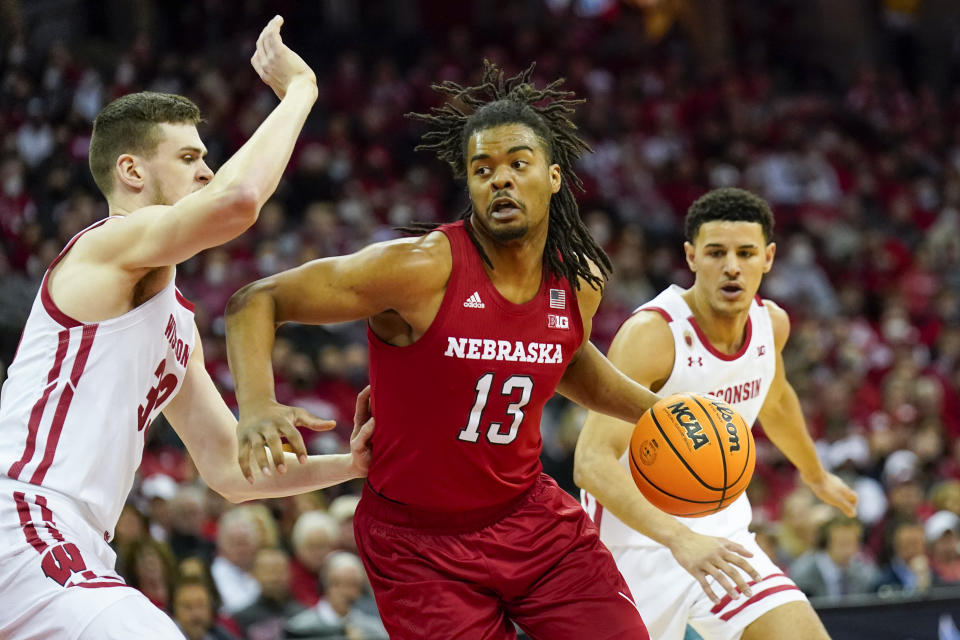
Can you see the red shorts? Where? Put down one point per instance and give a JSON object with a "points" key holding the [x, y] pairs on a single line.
{"points": [[536, 561]]}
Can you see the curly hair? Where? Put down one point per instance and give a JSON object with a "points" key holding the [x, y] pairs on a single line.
{"points": [[498, 101], [728, 203]]}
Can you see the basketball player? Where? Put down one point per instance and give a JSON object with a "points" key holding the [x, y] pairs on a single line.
{"points": [[716, 337], [110, 343], [471, 327]]}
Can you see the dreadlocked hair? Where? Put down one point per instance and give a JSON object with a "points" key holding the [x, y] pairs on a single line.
{"points": [[498, 101]]}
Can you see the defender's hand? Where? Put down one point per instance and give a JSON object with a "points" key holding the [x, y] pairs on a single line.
{"points": [[276, 64], [363, 425], [834, 491], [264, 427], [719, 558]]}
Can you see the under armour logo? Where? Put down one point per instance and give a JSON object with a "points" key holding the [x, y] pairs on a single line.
{"points": [[691, 360], [762, 349]]}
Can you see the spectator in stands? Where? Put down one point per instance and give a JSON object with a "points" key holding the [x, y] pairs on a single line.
{"points": [[839, 568], [237, 545], [265, 618], [149, 565], [193, 611], [342, 510], [942, 531], [340, 610], [187, 522], [909, 567], [314, 536]]}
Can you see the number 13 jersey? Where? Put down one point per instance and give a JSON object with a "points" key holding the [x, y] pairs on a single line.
{"points": [[458, 412], [79, 396]]}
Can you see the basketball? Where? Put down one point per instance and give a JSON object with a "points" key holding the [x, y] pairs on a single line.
{"points": [[692, 454]]}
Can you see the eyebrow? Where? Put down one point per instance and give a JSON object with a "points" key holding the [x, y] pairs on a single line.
{"points": [[723, 246], [511, 150], [197, 150]]}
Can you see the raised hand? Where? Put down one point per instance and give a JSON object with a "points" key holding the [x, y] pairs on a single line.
{"points": [[265, 427], [276, 64], [719, 558]]}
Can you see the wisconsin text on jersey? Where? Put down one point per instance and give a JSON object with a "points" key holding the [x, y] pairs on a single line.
{"points": [[483, 349], [739, 392], [181, 350]]}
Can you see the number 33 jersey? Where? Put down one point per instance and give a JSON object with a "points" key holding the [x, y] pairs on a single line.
{"points": [[79, 397], [458, 412]]}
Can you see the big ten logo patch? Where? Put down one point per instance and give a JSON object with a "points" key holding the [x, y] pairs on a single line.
{"points": [[557, 322]]}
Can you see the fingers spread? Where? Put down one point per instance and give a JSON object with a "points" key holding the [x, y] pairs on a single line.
{"points": [[260, 454], [706, 589], [244, 460], [276, 451], [303, 418]]}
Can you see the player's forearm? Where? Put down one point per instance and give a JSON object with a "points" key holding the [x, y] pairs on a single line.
{"points": [[250, 331], [258, 165], [319, 472], [593, 382], [597, 470], [787, 429]]}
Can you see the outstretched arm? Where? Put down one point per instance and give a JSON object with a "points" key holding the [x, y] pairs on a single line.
{"points": [[159, 236], [643, 350], [783, 422], [202, 420]]}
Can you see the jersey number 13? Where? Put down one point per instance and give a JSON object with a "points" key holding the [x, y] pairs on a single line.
{"points": [[471, 433]]}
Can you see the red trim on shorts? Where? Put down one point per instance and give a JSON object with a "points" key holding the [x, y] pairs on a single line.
{"points": [[660, 310], [598, 514], [726, 599], [26, 522], [723, 356], [36, 414], [63, 406], [759, 596], [183, 300], [98, 585]]}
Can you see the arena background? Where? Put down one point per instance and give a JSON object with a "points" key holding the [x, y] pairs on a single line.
{"points": [[845, 115]]}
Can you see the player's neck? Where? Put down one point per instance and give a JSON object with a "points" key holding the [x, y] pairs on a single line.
{"points": [[517, 265], [724, 331]]}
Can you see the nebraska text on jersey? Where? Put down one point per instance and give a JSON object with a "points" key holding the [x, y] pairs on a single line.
{"points": [[483, 349]]}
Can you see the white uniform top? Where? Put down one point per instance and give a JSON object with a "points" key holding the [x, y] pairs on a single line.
{"points": [[741, 379], [79, 397]]}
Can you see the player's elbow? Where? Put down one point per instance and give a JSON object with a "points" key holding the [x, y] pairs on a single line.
{"points": [[240, 207], [245, 296], [582, 467]]}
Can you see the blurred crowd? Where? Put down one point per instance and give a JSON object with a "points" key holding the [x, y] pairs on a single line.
{"points": [[863, 174]]}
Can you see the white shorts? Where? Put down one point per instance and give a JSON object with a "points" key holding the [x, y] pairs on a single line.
{"points": [[57, 577], [669, 597]]}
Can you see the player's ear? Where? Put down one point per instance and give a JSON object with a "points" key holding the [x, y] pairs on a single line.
{"points": [[129, 171], [689, 251], [556, 178], [769, 252]]}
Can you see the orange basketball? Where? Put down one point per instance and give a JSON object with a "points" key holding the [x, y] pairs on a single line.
{"points": [[692, 454]]}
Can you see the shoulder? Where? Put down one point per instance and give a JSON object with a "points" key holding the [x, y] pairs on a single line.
{"points": [[643, 348], [780, 322], [424, 258], [645, 329], [590, 294]]}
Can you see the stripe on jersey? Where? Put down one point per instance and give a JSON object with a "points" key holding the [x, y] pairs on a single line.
{"points": [[26, 522], [36, 414], [56, 427]]}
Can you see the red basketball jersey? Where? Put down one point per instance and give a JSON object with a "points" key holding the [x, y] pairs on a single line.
{"points": [[458, 412]]}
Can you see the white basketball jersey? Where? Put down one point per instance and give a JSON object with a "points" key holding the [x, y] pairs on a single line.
{"points": [[79, 397], [741, 379]]}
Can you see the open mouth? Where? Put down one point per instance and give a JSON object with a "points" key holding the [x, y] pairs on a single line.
{"points": [[504, 208], [731, 290]]}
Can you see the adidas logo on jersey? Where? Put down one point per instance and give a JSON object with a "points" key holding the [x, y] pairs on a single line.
{"points": [[474, 301]]}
